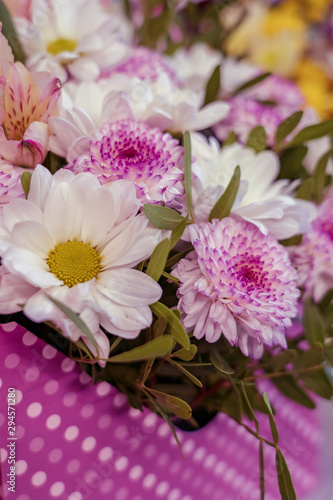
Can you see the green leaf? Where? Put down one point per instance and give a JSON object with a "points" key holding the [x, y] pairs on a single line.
{"points": [[162, 217], [188, 374], [156, 348], [291, 163], [177, 257], [213, 86], [177, 313], [316, 380], [257, 139], [278, 361], [177, 233], [174, 326], [251, 83], [312, 132], [220, 363], [319, 176], [25, 181], [304, 192], [231, 139], [314, 325], [287, 126], [223, 206], [75, 318], [284, 479], [272, 423], [158, 259], [188, 172], [262, 470], [186, 354], [159, 327], [9, 32], [290, 388], [173, 404]]}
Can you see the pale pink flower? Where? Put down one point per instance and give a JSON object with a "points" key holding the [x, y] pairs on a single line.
{"points": [[127, 149], [314, 256], [238, 283], [26, 102], [10, 183]]}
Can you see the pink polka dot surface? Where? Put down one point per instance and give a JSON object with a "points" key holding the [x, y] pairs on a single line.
{"points": [[80, 441]]}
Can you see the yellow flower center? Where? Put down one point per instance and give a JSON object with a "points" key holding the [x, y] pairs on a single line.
{"points": [[74, 262], [61, 45]]}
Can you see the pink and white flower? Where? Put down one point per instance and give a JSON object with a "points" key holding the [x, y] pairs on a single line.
{"points": [[10, 183], [237, 283], [78, 242], [132, 150]]}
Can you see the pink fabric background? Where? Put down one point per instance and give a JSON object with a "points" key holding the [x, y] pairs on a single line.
{"points": [[77, 441]]}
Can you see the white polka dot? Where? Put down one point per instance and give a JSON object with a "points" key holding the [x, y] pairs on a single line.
{"points": [[53, 421], [0, 383], [134, 413], [34, 410], [107, 486], [103, 389], [84, 378], [105, 454], [76, 495], [73, 466], [49, 352], [51, 387], [23, 497], [70, 399], [55, 455], [29, 339], [18, 396], [87, 410], [163, 430], [104, 421], [119, 400], [162, 488], [67, 365], [89, 443], [12, 361], [20, 431], [122, 494], [150, 450], [9, 327], [149, 481], [121, 464], [71, 433], [20, 467], [32, 374], [2, 419], [3, 454], [175, 494], [57, 489], [136, 472], [36, 444], [39, 478]]}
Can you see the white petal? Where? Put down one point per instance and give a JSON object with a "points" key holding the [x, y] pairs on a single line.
{"points": [[41, 181], [19, 211], [34, 237]]}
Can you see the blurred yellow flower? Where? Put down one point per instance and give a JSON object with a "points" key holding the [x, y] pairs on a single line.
{"points": [[316, 87]]}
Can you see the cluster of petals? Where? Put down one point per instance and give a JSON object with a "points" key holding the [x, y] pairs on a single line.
{"points": [[67, 208], [132, 150], [77, 38], [313, 257], [261, 199], [237, 283], [10, 183]]}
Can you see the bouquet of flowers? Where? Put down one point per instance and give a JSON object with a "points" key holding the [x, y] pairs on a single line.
{"points": [[166, 209]]}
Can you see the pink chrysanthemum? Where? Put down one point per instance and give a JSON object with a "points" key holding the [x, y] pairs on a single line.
{"points": [[314, 256], [132, 150], [244, 115], [146, 64], [239, 283], [10, 183]]}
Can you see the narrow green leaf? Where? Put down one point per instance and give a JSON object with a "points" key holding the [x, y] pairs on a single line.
{"points": [[287, 126], [188, 374], [177, 312], [188, 172], [9, 32], [213, 86], [177, 233], [159, 327], [291, 163], [174, 326], [304, 192], [231, 139], [272, 423], [251, 83], [257, 139], [284, 479], [176, 258], [25, 181], [223, 206], [172, 403], [312, 132], [262, 469], [158, 259], [220, 363], [76, 320], [290, 388], [318, 175], [314, 325], [162, 217], [156, 348], [186, 354]]}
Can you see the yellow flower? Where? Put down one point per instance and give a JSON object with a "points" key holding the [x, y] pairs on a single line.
{"points": [[316, 87]]}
